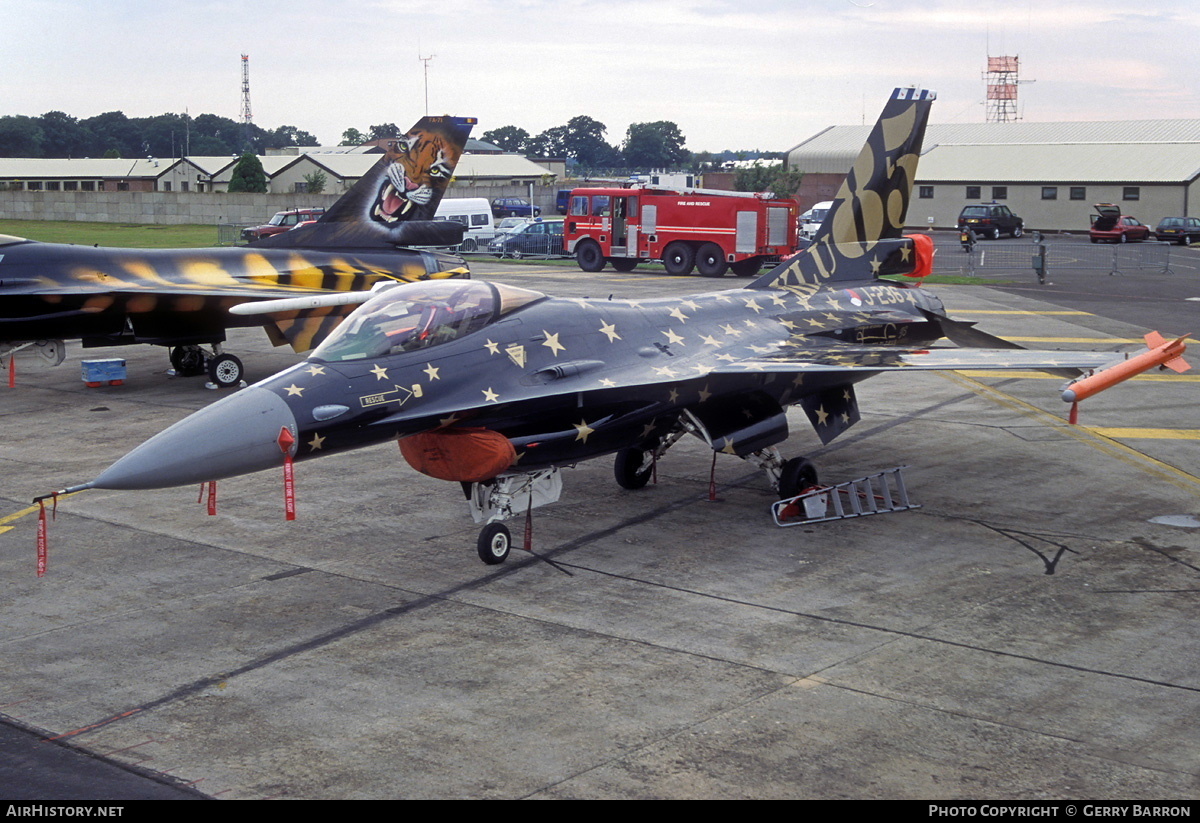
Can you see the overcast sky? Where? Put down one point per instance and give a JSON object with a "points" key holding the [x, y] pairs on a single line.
{"points": [[764, 74]]}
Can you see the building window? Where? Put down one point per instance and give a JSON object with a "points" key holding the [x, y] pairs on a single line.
{"points": [[166, 185], [70, 185], [1131, 193], [122, 187], [1049, 192], [1079, 192], [301, 188], [926, 192], [999, 192], [974, 193], [53, 185], [34, 185], [88, 185]]}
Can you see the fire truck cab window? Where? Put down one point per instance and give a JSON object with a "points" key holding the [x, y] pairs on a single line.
{"points": [[600, 205], [579, 206]]}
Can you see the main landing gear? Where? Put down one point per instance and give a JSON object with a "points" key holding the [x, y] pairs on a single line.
{"points": [[224, 370]]}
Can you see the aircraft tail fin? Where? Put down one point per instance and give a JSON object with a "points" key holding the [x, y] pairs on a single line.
{"points": [[394, 203], [861, 237]]}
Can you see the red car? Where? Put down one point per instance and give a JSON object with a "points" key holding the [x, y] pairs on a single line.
{"points": [[1111, 226], [281, 222]]}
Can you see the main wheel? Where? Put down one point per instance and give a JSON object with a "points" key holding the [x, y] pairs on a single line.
{"points": [[225, 370], [746, 268], [995, 233], [631, 469], [623, 263], [679, 258], [188, 361], [710, 261], [1124, 238], [493, 544], [588, 256], [1018, 231], [796, 475]]}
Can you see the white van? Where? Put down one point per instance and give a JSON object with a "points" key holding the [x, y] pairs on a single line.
{"points": [[812, 219], [473, 212]]}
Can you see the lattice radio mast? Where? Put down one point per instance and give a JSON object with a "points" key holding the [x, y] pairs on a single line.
{"points": [[247, 118]]}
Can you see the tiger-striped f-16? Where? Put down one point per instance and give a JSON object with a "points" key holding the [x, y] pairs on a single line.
{"points": [[181, 298], [497, 387]]}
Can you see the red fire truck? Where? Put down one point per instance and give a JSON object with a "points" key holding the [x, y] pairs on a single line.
{"points": [[713, 231]]}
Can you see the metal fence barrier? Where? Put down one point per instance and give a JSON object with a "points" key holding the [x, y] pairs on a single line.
{"points": [[993, 259], [230, 234]]}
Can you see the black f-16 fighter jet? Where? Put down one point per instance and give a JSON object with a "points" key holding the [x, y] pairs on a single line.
{"points": [[496, 387], [181, 298]]}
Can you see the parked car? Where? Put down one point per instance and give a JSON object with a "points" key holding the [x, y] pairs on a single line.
{"points": [[990, 220], [536, 238], [514, 207], [281, 222], [507, 224], [1184, 229], [1111, 226]]}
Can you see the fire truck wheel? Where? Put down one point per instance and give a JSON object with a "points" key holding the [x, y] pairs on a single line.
{"points": [[679, 258], [623, 263], [746, 268], [588, 256], [710, 261]]}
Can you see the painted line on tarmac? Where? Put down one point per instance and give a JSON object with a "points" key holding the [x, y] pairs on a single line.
{"points": [[1106, 445], [1038, 375], [1013, 311], [9, 518], [1118, 433], [1089, 340]]}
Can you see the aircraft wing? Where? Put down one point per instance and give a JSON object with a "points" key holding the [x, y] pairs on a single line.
{"points": [[848, 358]]}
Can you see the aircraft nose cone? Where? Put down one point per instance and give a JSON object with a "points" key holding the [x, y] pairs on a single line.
{"points": [[237, 435]]}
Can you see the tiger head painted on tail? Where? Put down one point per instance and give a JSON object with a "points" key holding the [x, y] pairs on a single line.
{"points": [[420, 165]]}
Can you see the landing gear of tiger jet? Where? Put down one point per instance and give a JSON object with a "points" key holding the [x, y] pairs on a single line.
{"points": [[505, 496], [224, 370]]}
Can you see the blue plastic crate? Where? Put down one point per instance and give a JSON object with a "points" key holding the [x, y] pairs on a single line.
{"points": [[111, 371]]}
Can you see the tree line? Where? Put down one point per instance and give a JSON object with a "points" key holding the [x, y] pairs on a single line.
{"points": [[656, 145], [112, 134]]}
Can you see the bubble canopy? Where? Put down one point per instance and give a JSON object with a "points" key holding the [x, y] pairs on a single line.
{"points": [[420, 315]]}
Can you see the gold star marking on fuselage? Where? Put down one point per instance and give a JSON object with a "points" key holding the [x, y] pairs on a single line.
{"points": [[753, 304], [432, 371], [678, 314], [731, 331], [673, 396], [691, 304], [609, 330], [379, 371], [875, 265], [664, 371], [608, 384], [673, 337], [294, 390], [583, 430], [316, 443], [493, 348], [705, 394], [778, 300], [490, 396], [551, 342], [315, 370], [822, 416], [709, 340], [904, 253]]}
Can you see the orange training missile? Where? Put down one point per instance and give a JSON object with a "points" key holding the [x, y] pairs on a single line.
{"points": [[1164, 353]]}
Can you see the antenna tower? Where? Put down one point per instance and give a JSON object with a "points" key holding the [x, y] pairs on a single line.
{"points": [[247, 119], [1003, 77]]}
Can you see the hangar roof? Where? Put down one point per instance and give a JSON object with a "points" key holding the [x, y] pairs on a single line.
{"points": [[1159, 149], [1073, 162]]}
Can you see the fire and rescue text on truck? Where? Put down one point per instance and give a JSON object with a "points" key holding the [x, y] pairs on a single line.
{"points": [[707, 230]]}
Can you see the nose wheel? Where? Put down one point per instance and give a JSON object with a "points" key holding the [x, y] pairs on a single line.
{"points": [[494, 543]]}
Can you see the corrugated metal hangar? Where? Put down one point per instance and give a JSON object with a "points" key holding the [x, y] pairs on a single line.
{"points": [[1050, 174]]}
